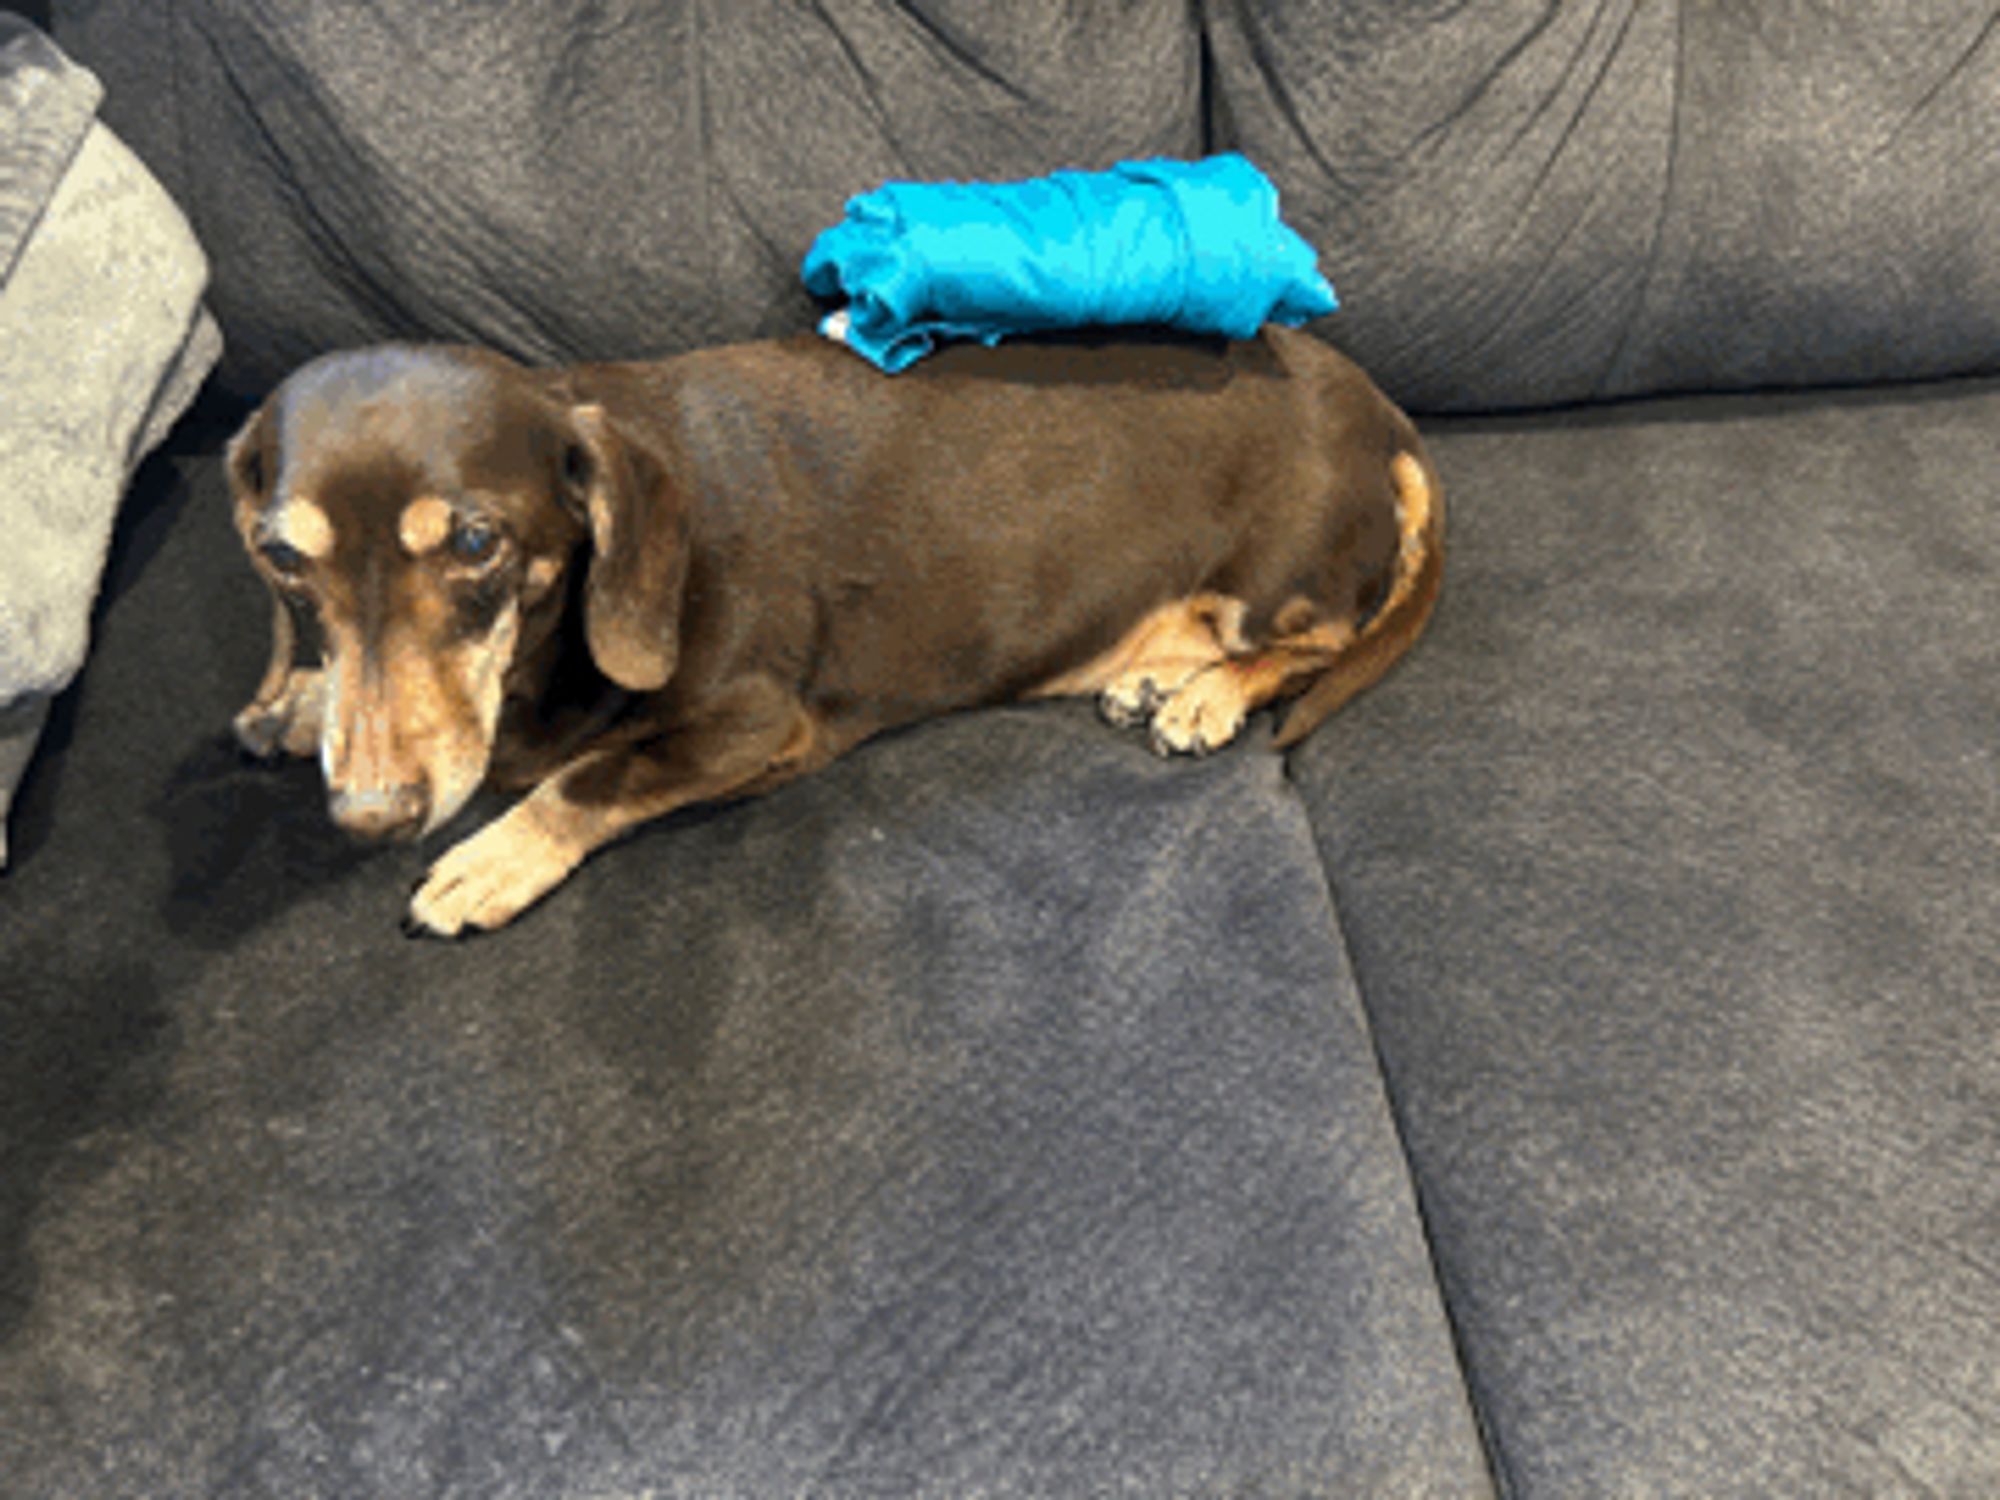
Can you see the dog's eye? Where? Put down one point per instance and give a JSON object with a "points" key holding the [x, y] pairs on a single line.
{"points": [[285, 559], [474, 542]]}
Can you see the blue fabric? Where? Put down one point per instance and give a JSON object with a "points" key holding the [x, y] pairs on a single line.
{"points": [[1194, 245]]}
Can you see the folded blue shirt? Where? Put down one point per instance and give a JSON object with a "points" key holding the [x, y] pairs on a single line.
{"points": [[1193, 245]]}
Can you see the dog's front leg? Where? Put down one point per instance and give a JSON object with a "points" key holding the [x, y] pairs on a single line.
{"points": [[752, 737], [284, 717]]}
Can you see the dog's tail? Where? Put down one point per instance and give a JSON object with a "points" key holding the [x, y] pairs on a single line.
{"points": [[1412, 596]]}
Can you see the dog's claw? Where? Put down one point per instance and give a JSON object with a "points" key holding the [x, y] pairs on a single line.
{"points": [[1196, 745], [1124, 705]]}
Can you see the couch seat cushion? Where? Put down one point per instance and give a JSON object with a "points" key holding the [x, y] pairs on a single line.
{"points": [[1668, 864]]}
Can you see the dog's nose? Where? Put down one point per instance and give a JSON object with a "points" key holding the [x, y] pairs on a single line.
{"points": [[381, 812]]}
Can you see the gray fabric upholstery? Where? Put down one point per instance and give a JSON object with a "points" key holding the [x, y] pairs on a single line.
{"points": [[991, 1114], [1521, 203], [1526, 203], [1573, 1075], [637, 180], [1668, 867]]}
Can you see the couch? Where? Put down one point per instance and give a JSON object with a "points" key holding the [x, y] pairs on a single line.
{"points": [[1575, 1071]]}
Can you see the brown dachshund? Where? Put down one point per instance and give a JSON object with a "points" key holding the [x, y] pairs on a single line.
{"points": [[637, 586]]}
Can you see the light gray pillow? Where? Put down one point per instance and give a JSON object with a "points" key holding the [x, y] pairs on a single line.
{"points": [[103, 343]]}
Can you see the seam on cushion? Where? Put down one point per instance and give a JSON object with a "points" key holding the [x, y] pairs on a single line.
{"points": [[1607, 377], [1490, 1444]]}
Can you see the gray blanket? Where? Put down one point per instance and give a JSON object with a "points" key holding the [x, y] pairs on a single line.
{"points": [[103, 342]]}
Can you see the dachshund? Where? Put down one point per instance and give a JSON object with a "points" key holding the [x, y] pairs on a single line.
{"points": [[630, 587]]}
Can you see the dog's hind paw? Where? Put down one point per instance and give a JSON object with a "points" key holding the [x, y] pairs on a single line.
{"points": [[1202, 717], [1129, 701]]}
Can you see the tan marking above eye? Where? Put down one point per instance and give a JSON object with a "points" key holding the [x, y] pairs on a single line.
{"points": [[425, 525], [302, 525]]}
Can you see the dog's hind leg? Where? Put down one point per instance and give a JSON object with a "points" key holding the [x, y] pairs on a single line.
{"points": [[1209, 710], [1164, 651], [1324, 660]]}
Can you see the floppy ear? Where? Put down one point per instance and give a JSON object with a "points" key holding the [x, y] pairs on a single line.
{"points": [[245, 462], [639, 552]]}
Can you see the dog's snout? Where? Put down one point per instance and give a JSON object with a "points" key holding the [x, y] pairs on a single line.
{"points": [[381, 812]]}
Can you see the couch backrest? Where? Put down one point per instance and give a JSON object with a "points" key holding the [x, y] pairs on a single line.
{"points": [[604, 180], [1525, 202], [1521, 202]]}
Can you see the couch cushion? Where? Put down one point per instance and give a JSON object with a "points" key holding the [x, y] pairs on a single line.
{"points": [[991, 1113], [1526, 203], [563, 183], [1668, 866]]}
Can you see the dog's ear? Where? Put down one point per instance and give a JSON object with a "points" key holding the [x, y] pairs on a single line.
{"points": [[639, 550], [246, 462], [249, 465]]}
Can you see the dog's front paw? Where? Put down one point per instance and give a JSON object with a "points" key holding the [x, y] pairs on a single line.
{"points": [[492, 877], [288, 724], [1203, 716]]}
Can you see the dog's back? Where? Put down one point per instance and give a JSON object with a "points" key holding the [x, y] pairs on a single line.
{"points": [[991, 522]]}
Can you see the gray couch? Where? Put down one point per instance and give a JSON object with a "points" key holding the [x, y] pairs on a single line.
{"points": [[1573, 1072]]}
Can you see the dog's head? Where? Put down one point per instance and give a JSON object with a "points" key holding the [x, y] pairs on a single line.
{"points": [[424, 506]]}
